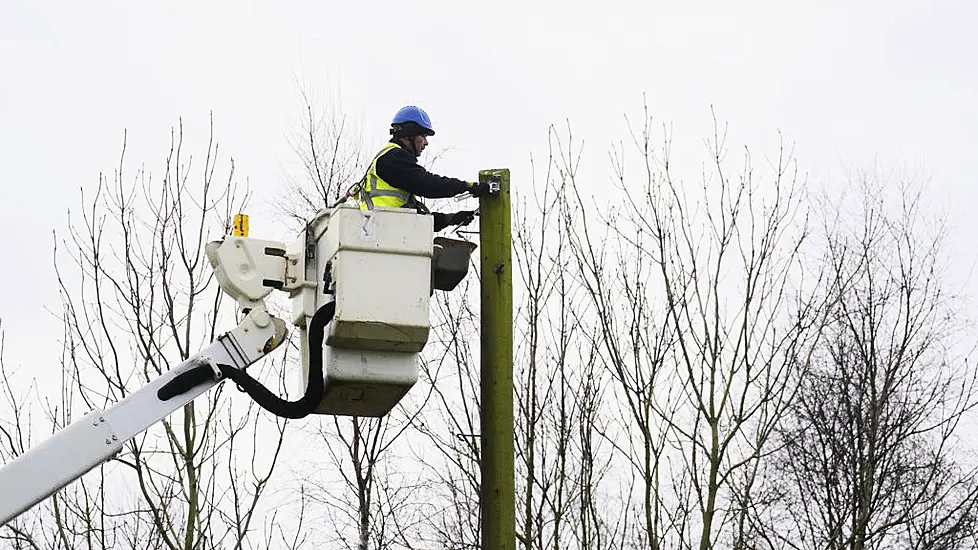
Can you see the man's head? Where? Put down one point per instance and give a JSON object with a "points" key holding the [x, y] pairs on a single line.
{"points": [[411, 128]]}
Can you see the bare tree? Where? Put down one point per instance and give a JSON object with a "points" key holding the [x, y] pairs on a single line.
{"points": [[328, 145], [450, 423], [15, 438], [561, 461], [363, 488], [689, 370], [870, 456], [695, 316], [138, 297], [559, 394]]}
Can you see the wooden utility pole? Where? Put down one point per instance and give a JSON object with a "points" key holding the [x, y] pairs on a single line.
{"points": [[498, 499]]}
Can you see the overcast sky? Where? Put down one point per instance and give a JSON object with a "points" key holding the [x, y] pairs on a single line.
{"points": [[849, 83]]}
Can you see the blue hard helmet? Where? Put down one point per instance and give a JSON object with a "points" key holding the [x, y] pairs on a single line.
{"points": [[411, 114]]}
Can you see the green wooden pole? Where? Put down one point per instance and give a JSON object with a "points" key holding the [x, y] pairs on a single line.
{"points": [[498, 485]]}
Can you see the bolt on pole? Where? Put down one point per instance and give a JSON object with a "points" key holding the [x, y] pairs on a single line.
{"points": [[498, 499]]}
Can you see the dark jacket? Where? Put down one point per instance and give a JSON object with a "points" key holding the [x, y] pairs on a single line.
{"points": [[399, 167]]}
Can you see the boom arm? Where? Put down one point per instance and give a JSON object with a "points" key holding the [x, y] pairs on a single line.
{"points": [[98, 436]]}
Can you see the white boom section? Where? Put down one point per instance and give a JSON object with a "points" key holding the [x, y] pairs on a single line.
{"points": [[99, 436]]}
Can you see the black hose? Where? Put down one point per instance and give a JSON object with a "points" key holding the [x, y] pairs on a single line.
{"points": [[185, 381], [272, 403], [306, 404]]}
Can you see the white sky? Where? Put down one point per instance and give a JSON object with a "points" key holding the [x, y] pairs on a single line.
{"points": [[850, 83]]}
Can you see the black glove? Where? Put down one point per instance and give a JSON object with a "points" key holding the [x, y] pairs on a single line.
{"points": [[442, 221], [479, 189], [463, 218]]}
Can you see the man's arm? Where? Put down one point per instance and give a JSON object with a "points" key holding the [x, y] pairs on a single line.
{"points": [[400, 169]]}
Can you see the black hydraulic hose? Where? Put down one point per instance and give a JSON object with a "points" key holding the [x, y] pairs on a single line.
{"points": [[306, 404], [272, 403], [185, 381]]}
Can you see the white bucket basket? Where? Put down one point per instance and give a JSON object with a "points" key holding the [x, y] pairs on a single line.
{"points": [[379, 264]]}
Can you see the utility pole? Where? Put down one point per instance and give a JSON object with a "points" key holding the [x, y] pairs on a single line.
{"points": [[498, 499]]}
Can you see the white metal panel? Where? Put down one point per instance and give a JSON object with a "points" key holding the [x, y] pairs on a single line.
{"points": [[241, 265], [384, 230], [381, 262], [382, 301], [366, 383], [68, 455]]}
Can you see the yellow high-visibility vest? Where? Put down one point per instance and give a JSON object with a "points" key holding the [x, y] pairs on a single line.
{"points": [[374, 191]]}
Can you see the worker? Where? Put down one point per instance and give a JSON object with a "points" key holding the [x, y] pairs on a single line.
{"points": [[395, 179]]}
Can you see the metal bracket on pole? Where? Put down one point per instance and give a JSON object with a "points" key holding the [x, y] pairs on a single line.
{"points": [[495, 183]]}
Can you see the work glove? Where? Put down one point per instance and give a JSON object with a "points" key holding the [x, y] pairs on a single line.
{"points": [[462, 218], [478, 189]]}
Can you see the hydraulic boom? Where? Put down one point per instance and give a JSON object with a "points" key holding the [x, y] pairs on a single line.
{"points": [[100, 435]]}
